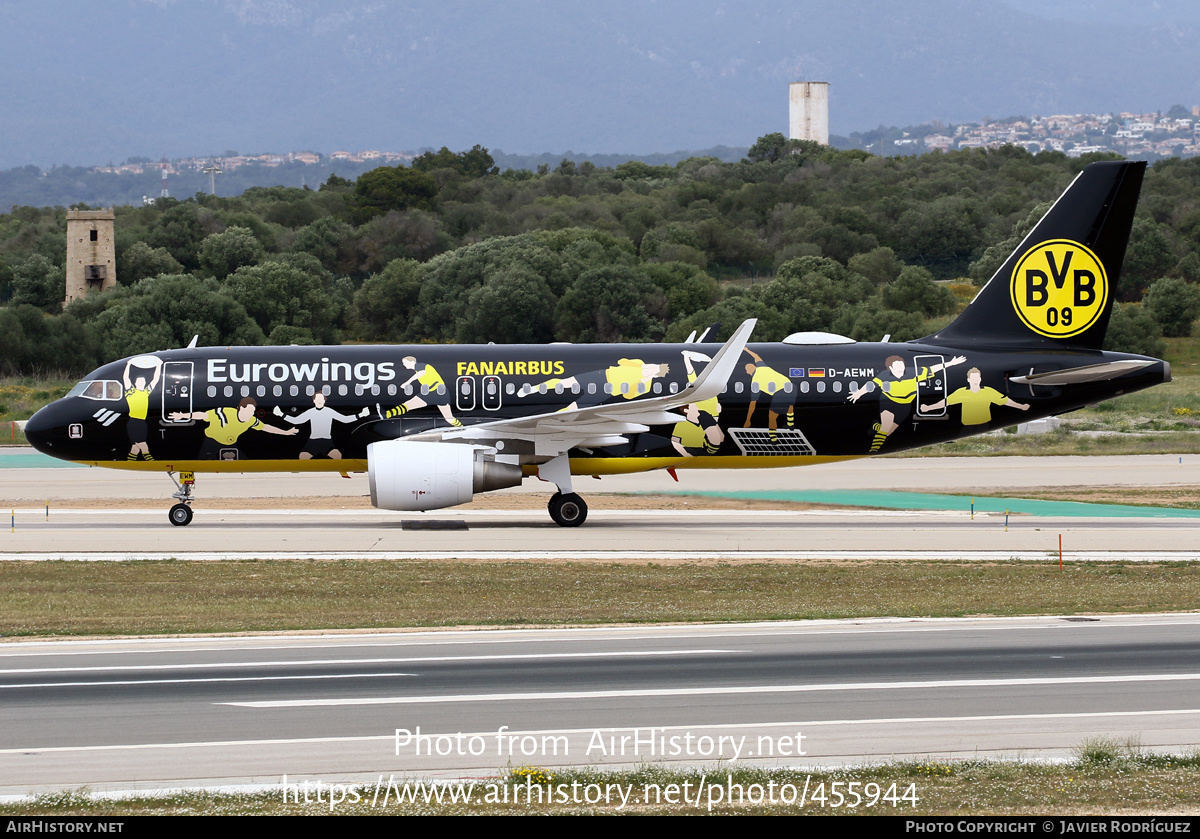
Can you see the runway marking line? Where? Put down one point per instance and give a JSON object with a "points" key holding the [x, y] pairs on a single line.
{"points": [[714, 691], [357, 662], [29, 751]]}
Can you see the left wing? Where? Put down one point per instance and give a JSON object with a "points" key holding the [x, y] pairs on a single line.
{"points": [[558, 432]]}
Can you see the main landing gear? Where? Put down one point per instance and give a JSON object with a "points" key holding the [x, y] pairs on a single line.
{"points": [[181, 514], [566, 508]]}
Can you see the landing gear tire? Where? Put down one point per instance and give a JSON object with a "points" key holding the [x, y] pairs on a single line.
{"points": [[180, 515], [568, 510]]}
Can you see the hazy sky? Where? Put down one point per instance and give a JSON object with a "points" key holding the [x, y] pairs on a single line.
{"points": [[85, 82]]}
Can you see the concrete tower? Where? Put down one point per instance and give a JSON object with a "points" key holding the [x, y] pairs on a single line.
{"points": [[809, 111], [91, 253]]}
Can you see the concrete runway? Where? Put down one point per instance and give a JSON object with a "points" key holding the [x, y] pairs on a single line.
{"points": [[986, 475], [192, 711], [608, 534], [136, 525]]}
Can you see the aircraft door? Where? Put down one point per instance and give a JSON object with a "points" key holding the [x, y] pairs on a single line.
{"points": [[932, 389], [464, 391], [491, 393], [177, 392]]}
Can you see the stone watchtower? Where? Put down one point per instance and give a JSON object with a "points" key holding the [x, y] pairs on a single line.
{"points": [[91, 253]]}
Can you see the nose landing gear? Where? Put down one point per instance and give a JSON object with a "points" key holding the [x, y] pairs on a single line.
{"points": [[181, 514]]}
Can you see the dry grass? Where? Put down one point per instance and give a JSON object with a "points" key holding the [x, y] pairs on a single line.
{"points": [[151, 598], [1103, 780]]}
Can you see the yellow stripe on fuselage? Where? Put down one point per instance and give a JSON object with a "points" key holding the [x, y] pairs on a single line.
{"points": [[579, 465]]}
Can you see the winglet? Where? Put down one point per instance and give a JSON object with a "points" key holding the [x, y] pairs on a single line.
{"points": [[716, 375], [195, 340]]}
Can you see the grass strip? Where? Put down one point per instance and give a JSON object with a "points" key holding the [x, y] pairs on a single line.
{"points": [[171, 597], [1104, 778]]}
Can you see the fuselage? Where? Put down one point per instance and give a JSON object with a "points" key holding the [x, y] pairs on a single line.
{"points": [[318, 408]]}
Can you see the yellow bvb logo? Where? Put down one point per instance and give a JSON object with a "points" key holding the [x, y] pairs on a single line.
{"points": [[1059, 288]]}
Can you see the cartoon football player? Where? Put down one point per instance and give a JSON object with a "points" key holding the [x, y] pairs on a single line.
{"points": [[977, 401], [137, 397], [436, 393], [630, 378], [689, 436], [710, 409], [226, 425], [777, 387], [320, 433], [897, 396]]}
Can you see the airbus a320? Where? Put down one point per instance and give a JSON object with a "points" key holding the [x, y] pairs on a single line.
{"points": [[433, 425]]}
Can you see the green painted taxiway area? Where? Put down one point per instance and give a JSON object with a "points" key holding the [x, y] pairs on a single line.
{"points": [[889, 500], [31, 460]]}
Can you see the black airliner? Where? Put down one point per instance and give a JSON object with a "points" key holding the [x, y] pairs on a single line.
{"points": [[432, 425]]}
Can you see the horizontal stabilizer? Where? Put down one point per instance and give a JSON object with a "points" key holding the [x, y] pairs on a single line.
{"points": [[1078, 375]]}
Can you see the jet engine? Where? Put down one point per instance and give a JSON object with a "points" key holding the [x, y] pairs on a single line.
{"points": [[429, 476]]}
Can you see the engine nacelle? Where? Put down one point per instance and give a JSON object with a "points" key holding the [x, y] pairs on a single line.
{"points": [[429, 476]]}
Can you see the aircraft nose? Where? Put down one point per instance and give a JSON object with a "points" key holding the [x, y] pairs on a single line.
{"points": [[38, 430]]}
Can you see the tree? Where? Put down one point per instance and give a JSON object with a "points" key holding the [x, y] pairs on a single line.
{"points": [[982, 269], [32, 343], [330, 240], [771, 148], [1148, 257], [384, 304], [223, 253], [140, 261], [39, 282], [610, 304], [277, 293], [915, 291], [475, 163], [164, 313], [514, 306], [868, 323], [180, 231], [811, 291], [391, 188], [1175, 304], [1133, 329]]}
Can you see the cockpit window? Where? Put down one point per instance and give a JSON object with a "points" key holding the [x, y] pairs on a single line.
{"points": [[103, 391]]}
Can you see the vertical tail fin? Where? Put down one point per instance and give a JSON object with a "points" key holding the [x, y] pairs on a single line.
{"points": [[1057, 287]]}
